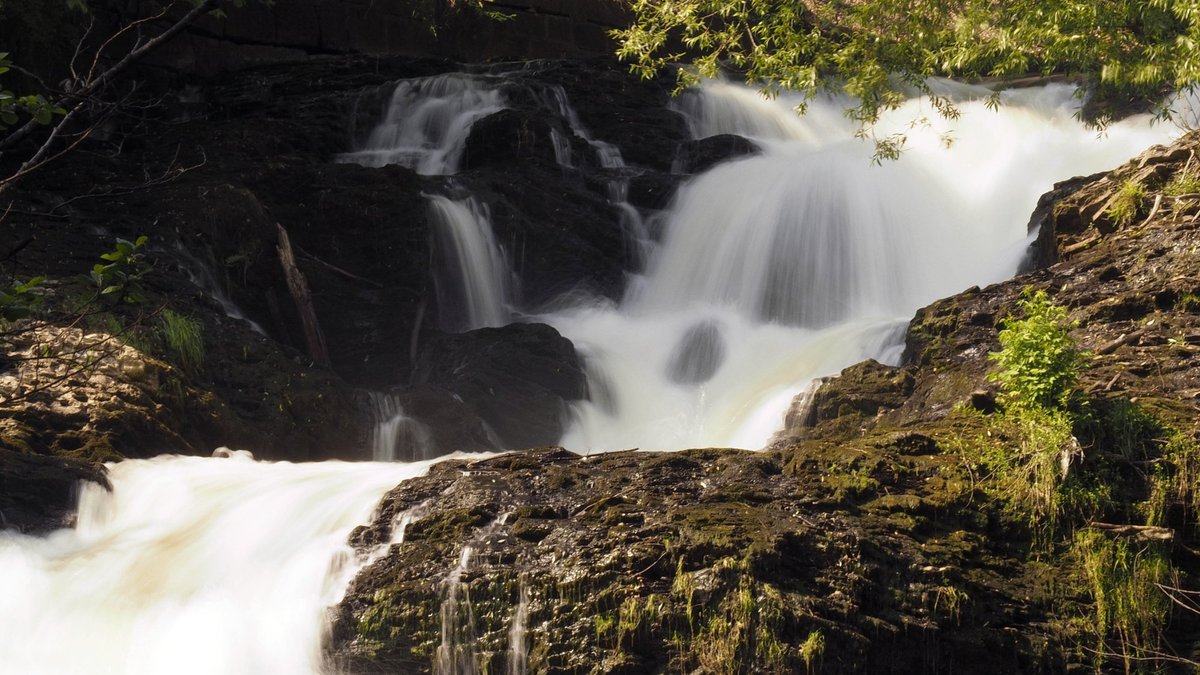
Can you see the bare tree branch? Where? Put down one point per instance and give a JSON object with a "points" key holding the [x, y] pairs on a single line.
{"points": [[95, 82]]}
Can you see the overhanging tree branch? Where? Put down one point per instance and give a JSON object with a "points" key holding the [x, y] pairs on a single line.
{"points": [[83, 91]]}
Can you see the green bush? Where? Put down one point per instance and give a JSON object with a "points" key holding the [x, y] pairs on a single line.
{"points": [[1038, 362]]}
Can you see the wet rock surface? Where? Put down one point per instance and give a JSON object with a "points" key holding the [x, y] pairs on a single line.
{"points": [[869, 520], [518, 379], [694, 561], [39, 493]]}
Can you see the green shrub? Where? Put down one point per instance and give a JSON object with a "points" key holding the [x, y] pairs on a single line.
{"points": [[184, 338], [1038, 362]]}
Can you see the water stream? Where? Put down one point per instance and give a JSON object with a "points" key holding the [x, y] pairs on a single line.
{"points": [[191, 565], [772, 270]]}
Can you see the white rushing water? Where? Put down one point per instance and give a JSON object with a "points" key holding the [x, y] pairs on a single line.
{"points": [[807, 258], [396, 435], [471, 272], [190, 565], [426, 124]]}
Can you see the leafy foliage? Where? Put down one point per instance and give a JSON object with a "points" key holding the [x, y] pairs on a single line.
{"points": [[18, 299], [119, 277], [34, 105], [877, 50], [1038, 361]]}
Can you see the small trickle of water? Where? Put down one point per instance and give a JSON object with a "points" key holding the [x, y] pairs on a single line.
{"points": [[609, 157], [203, 278], [456, 654], [427, 123], [397, 436], [518, 635], [472, 276]]}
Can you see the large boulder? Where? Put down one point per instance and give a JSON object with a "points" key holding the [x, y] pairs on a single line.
{"points": [[702, 154], [518, 378], [38, 493]]}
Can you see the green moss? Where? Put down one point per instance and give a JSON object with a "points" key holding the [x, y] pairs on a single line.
{"points": [[851, 484], [449, 525], [1183, 183]]}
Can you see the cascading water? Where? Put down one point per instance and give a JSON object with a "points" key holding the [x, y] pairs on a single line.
{"points": [[396, 435], [807, 258], [457, 655], [474, 284], [190, 565], [426, 124], [773, 270], [608, 156], [518, 635], [203, 278]]}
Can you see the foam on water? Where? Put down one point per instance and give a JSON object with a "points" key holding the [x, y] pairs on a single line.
{"points": [[190, 565]]}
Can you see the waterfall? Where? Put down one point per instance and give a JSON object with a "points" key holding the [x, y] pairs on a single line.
{"points": [[190, 565], [426, 124], [471, 273], [396, 435], [772, 271], [790, 265]]}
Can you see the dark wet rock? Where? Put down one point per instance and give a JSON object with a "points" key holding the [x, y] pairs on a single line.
{"points": [[642, 562], [509, 136], [699, 354], [518, 379], [701, 155], [560, 236], [1048, 219], [630, 113], [38, 493], [652, 189], [451, 423], [859, 393]]}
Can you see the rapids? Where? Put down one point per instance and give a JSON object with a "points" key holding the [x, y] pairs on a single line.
{"points": [[190, 565]]}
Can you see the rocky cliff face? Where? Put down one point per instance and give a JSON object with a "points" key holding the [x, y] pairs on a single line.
{"points": [[291, 30]]}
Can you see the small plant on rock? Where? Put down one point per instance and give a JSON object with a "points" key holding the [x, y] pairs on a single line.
{"points": [[1128, 203], [1038, 362], [184, 338]]}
